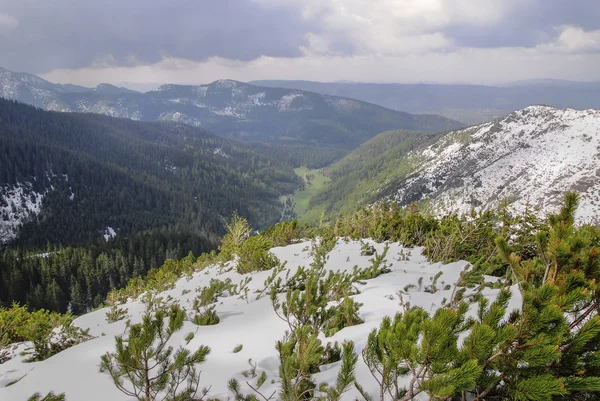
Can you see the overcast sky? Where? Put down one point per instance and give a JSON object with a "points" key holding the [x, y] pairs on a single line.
{"points": [[198, 41]]}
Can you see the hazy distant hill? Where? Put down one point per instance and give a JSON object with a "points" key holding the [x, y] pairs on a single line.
{"points": [[470, 104]]}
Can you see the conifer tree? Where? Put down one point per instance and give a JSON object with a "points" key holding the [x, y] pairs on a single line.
{"points": [[238, 230], [144, 366]]}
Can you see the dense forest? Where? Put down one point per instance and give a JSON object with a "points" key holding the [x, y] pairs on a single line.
{"points": [[96, 172], [77, 279]]}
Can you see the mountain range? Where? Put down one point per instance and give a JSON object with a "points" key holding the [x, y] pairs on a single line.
{"points": [[470, 104], [234, 109]]}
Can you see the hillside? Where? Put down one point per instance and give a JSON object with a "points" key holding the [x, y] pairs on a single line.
{"points": [[249, 321], [357, 178], [76, 178], [470, 104], [335, 317], [324, 126], [530, 157]]}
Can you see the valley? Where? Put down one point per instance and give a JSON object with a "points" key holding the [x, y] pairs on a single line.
{"points": [[314, 182]]}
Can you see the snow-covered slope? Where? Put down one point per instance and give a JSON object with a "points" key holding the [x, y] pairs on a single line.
{"points": [[18, 203], [532, 156], [251, 323]]}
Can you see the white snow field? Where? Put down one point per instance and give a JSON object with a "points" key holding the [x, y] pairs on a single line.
{"points": [[251, 323]]}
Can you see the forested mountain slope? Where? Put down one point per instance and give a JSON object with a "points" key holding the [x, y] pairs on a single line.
{"points": [[319, 128], [356, 179], [74, 178]]}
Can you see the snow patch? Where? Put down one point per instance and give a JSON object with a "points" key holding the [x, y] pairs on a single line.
{"points": [[18, 204], [221, 152], [109, 233]]}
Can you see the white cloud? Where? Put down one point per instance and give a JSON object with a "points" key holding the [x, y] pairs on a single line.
{"points": [[574, 40], [7, 23], [393, 27]]}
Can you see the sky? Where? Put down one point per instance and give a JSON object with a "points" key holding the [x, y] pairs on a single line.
{"points": [[198, 41]]}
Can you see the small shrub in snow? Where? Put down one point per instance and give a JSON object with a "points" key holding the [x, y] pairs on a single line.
{"points": [[206, 317], [204, 312], [377, 268], [115, 314], [343, 315], [300, 355], [144, 367], [309, 293], [155, 303], [48, 397], [51, 333], [238, 231], [254, 255], [331, 353], [367, 249]]}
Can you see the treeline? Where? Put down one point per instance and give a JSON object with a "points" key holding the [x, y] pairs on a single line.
{"points": [[65, 279]]}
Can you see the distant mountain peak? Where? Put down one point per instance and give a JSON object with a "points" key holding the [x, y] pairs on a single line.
{"points": [[112, 89], [227, 83]]}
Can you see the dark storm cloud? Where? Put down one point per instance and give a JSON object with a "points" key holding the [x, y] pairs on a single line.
{"points": [[529, 24], [74, 33]]}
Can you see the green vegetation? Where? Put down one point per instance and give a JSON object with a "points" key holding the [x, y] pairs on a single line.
{"points": [[48, 332], [115, 314], [144, 367], [314, 182], [48, 397], [57, 277], [363, 175]]}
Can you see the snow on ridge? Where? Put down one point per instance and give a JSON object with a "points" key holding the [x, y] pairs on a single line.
{"points": [[343, 105], [227, 111], [286, 101], [528, 158], [9, 85], [221, 152], [225, 83], [178, 117]]}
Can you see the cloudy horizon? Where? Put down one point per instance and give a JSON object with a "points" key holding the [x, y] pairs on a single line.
{"points": [[191, 42]]}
